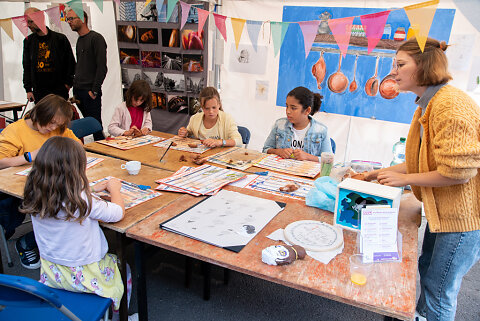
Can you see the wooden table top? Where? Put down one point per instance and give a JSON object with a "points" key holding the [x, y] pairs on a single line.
{"points": [[391, 293], [150, 155], [7, 105], [14, 185]]}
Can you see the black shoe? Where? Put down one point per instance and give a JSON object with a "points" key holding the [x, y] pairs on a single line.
{"points": [[29, 258]]}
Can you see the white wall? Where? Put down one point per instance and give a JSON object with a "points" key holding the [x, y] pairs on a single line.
{"points": [[367, 139]]}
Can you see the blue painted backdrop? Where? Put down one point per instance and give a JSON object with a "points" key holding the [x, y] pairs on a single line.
{"points": [[296, 71]]}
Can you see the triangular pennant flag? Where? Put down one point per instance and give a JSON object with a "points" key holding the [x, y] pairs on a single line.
{"points": [[146, 2], [341, 30], [53, 14], [278, 29], [253, 28], [202, 17], [185, 11], [170, 6], [99, 4], [421, 17], [118, 2], [220, 23], [237, 25], [373, 24], [77, 7], [309, 30], [21, 23], [38, 18], [6, 24]]}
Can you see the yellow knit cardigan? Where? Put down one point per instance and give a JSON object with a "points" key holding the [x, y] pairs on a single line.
{"points": [[451, 145]]}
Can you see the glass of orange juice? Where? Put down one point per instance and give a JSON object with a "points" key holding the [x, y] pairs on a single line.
{"points": [[359, 271]]}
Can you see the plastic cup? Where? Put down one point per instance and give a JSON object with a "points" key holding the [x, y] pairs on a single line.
{"points": [[326, 159], [132, 167], [359, 271]]}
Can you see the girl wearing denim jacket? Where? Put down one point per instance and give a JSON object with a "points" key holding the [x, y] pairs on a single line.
{"points": [[299, 136]]}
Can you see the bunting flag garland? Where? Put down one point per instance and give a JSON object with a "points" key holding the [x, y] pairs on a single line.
{"points": [[170, 6], [6, 25], [21, 23], [38, 18], [185, 11], [220, 23], [278, 29], [373, 24], [146, 2], [341, 30], [237, 25], [253, 29], [202, 17], [77, 7], [118, 3], [99, 4], [421, 18], [309, 30], [53, 14]]}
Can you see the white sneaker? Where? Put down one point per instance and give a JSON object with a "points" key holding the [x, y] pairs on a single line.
{"points": [[418, 317], [133, 317]]}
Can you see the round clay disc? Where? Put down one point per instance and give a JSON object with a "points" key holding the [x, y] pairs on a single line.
{"points": [[314, 235]]}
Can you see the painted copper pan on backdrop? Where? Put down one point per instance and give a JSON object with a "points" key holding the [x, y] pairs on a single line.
{"points": [[319, 69], [388, 85], [371, 86], [338, 82], [353, 84]]}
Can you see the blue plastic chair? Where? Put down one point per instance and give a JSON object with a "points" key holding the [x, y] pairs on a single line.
{"points": [[85, 126], [245, 133], [334, 146], [27, 299]]}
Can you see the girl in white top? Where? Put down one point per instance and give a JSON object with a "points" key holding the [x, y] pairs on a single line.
{"points": [[73, 248]]}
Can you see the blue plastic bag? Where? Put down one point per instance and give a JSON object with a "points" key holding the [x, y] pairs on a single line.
{"points": [[323, 194]]}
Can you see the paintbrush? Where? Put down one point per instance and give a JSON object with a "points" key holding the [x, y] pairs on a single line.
{"points": [[166, 151]]}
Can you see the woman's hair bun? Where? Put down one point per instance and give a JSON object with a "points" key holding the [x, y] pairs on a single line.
{"points": [[443, 45]]}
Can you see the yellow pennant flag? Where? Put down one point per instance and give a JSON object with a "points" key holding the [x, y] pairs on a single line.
{"points": [[237, 25], [6, 24], [421, 17]]}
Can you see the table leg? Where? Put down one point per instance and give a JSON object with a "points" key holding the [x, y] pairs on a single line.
{"points": [[15, 114], [121, 254], [141, 281]]}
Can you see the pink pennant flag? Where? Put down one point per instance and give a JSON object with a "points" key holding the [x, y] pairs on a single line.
{"points": [[21, 23], [53, 14], [39, 19], [117, 2], [220, 23], [373, 24], [185, 11], [202, 17], [309, 30], [341, 30]]}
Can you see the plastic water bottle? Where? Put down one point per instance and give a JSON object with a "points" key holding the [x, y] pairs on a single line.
{"points": [[398, 152]]}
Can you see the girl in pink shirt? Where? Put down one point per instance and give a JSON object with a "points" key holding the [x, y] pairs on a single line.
{"points": [[132, 117]]}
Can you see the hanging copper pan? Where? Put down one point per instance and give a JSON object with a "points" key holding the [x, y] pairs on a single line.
{"points": [[388, 85], [371, 86], [319, 70], [353, 84], [338, 82]]}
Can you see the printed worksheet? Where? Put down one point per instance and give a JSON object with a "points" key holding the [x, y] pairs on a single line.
{"points": [[229, 220], [128, 142], [290, 166], [91, 161], [132, 193], [184, 144], [284, 185], [237, 158]]}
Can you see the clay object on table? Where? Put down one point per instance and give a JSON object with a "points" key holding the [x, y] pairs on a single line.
{"points": [[388, 85], [174, 144], [197, 159], [182, 158], [107, 198], [353, 84], [193, 145], [282, 254], [371, 86], [338, 82], [319, 69], [289, 188]]}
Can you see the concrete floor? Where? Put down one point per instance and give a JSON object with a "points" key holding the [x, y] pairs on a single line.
{"points": [[245, 297]]}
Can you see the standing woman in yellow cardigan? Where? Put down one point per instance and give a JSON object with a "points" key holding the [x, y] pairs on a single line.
{"points": [[442, 166], [213, 126]]}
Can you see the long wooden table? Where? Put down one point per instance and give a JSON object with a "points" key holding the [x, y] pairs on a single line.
{"points": [[150, 155], [13, 184], [392, 292], [14, 107]]}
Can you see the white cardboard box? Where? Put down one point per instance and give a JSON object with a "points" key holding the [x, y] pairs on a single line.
{"points": [[353, 195]]}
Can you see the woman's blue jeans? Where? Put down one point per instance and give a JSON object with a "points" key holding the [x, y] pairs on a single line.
{"points": [[445, 259]]}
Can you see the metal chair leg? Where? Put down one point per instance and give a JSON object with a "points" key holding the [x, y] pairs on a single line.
{"points": [[5, 245]]}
